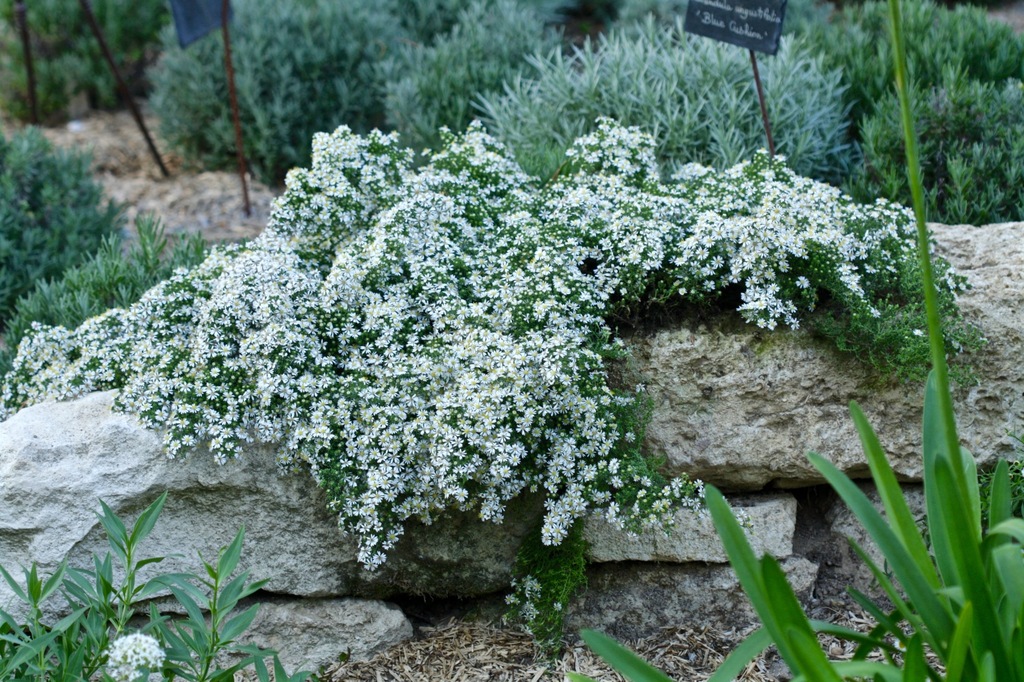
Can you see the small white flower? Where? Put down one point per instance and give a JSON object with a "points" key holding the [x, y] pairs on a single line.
{"points": [[132, 655]]}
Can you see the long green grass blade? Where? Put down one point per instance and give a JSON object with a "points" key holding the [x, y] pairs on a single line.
{"points": [[1000, 507], [741, 656], [805, 654], [918, 589], [808, 660], [939, 503], [631, 666], [986, 633], [895, 504], [956, 656]]}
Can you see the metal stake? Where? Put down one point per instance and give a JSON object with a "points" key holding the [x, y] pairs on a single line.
{"points": [[764, 109], [239, 142], [21, 15], [87, 9]]}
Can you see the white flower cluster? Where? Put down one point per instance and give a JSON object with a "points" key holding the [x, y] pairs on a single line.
{"points": [[133, 655], [423, 339]]}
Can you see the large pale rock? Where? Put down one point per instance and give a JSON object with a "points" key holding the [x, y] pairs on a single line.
{"points": [[633, 600], [58, 460], [312, 633], [739, 407], [770, 521]]}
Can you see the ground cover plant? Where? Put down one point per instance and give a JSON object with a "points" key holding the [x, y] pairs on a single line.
{"points": [[955, 585], [52, 214], [67, 58], [97, 640], [435, 338], [111, 278], [692, 94]]}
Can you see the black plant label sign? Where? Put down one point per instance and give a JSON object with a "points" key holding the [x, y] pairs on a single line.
{"points": [[193, 19], [753, 24]]}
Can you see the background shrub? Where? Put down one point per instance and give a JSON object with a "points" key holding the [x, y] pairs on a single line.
{"points": [[300, 67], [695, 96], [857, 41], [52, 215], [971, 146], [433, 86], [67, 57], [799, 13], [422, 20], [110, 278]]}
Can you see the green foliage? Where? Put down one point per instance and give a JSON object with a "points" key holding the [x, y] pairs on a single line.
{"points": [[67, 57], [545, 580], [1015, 475], [433, 85], [972, 150], [964, 38], [52, 215], [800, 14], [423, 20], [111, 278], [300, 68], [957, 589], [895, 340], [90, 642], [693, 95]]}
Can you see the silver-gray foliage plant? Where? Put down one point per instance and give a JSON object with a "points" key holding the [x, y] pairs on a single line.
{"points": [[694, 95]]}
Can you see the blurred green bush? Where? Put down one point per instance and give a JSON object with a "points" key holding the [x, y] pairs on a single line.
{"points": [[67, 57]]}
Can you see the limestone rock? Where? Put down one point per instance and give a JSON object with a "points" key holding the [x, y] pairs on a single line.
{"points": [[310, 633], [771, 519], [633, 600], [739, 407], [57, 460], [845, 527]]}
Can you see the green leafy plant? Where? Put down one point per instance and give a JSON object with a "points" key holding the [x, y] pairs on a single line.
{"points": [[429, 338], [111, 278], [432, 86], [545, 580], [94, 639], [963, 38], [958, 596], [300, 68], [52, 215], [972, 151], [424, 20], [692, 94], [67, 57]]}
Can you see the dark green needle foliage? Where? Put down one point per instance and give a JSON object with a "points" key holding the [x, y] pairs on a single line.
{"points": [[52, 214]]}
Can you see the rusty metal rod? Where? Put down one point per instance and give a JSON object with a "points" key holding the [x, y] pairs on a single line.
{"points": [[21, 15], [239, 142], [87, 9], [764, 109]]}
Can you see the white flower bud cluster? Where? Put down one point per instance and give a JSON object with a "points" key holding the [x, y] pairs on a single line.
{"points": [[132, 655]]}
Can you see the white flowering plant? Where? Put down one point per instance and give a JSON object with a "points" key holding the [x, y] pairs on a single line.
{"points": [[429, 338], [93, 642]]}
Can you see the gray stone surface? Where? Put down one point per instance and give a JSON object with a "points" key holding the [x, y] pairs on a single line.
{"points": [[739, 407], [57, 460], [771, 519], [632, 600], [845, 527], [310, 633]]}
